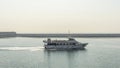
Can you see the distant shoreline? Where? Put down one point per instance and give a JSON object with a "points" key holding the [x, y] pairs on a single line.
{"points": [[58, 35]]}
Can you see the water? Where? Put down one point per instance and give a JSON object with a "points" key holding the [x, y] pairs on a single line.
{"points": [[29, 53]]}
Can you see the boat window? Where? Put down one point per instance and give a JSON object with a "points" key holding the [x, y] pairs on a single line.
{"points": [[73, 43], [48, 44]]}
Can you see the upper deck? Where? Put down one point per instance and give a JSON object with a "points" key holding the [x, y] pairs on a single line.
{"points": [[70, 41]]}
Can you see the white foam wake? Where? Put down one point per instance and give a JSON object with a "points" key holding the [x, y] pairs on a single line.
{"points": [[22, 48]]}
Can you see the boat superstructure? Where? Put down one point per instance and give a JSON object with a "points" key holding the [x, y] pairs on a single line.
{"points": [[71, 43]]}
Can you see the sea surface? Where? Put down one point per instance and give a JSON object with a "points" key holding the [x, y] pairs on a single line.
{"points": [[30, 53]]}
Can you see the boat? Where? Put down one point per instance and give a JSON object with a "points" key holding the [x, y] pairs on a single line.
{"points": [[69, 44]]}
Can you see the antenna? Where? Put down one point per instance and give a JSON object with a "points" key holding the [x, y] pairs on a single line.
{"points": [[69, 36], [69, 31]]}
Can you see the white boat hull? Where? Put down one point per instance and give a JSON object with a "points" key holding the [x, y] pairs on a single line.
{"points": [[80, 46]]}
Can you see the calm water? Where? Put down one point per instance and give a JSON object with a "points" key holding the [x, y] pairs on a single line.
{"points": [[29, 53]]}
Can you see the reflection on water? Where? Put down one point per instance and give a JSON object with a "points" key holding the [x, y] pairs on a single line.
{"points": [[59, 59]]}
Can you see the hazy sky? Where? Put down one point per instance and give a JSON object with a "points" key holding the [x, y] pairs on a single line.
{"points": [[59, 16]]}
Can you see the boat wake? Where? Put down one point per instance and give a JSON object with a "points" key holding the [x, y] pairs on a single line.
{"points": [[21, 48]]}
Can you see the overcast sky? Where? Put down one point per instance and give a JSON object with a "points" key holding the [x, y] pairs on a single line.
{"points": [[59, 16]]}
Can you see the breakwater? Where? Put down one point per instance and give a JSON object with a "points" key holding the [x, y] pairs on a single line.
{"points": [[67, 35], [59, 35]]}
